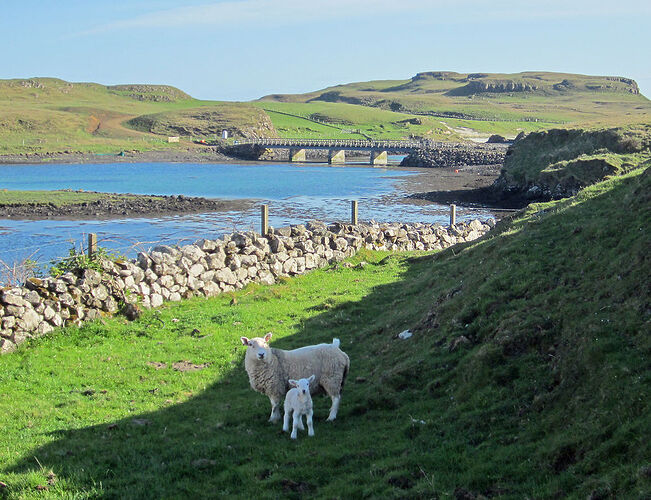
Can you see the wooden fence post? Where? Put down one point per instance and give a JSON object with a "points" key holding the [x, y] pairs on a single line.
{"points": [[92, 245], [264, 220], [453, 215], [353, 212]]}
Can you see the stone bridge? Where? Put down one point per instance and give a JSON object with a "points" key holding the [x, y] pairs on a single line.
{"points": [[336, 148]]}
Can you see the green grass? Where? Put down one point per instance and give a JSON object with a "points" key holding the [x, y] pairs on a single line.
{"points": [[59, 198], [548, 398], [349, 121]]}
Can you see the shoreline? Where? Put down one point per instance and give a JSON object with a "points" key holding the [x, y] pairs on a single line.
{"points": [[135, 206], [205, 154], [465, 186]]}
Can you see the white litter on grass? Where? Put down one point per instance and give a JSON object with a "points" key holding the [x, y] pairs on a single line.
{"points": [[405, 334]]}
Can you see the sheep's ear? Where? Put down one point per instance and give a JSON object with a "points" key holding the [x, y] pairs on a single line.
{"points": [[311, 379], [245, 341], [293, 383], [267, 337]]}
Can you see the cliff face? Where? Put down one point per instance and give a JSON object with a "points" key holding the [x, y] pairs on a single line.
{"points": [[495, 86]]}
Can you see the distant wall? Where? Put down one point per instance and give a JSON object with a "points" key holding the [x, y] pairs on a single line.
{"points": [[206, 268], [456, 155]]}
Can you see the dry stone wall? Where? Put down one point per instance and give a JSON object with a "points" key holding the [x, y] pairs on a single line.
{"points": [[206, 268]]}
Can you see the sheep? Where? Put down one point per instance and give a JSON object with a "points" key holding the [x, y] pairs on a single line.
{"points": [[270, 369], [298, 402]]}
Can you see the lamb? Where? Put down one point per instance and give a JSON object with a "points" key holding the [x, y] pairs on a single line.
{"points": [[270, 369], [299, 402]]}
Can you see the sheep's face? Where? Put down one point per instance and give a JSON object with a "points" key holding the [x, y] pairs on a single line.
{"points": [[303, 385], [258, 348]]}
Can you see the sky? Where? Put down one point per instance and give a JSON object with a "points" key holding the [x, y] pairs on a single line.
{"points": [[238, 50]]}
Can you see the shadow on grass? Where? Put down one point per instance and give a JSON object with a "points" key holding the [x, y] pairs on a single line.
{"points": [[219, 442]]}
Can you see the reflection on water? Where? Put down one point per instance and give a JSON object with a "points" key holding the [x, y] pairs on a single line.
{"points": [[295, 195]]}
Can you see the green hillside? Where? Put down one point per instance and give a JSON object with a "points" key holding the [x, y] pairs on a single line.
{"points": [[51, 115], [47, 114], [488, 103], [527, 375]]}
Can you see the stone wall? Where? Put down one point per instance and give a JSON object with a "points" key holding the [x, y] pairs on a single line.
{"points": [[206, 268], [456, 155]]}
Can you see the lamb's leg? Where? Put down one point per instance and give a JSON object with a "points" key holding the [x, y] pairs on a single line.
{"points": [[301, 427], [275, 409], [334, 408], [310, 428], [297, 422], [286, 421]]}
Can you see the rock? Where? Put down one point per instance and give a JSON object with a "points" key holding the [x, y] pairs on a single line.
{"points": [[497, 139], [29, 321], [156, 300], [13, 300]]}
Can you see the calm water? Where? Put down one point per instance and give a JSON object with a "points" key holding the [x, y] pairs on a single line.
{"points": [[295, 194]]}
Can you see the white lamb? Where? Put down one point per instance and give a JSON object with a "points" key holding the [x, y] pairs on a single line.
{"points": [[270, 370], [298, 402]]}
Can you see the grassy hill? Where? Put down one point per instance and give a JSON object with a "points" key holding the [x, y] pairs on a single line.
{"points": [[485, 103], [527, 376], [47, 114]]}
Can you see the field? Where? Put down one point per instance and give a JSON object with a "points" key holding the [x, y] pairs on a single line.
{"points": [[527, 376]]}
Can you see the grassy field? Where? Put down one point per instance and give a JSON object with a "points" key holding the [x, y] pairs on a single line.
{"points": [[527, 376]]}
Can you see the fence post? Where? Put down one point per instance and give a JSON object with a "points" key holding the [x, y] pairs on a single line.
{"points": [[453, 215], [353, 212], [264, 220], [92, 245]]}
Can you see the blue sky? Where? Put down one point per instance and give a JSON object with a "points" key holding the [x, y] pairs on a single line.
{"points": [[244, 49]]}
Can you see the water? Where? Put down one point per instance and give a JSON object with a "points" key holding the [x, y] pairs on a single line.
{"points": [[295, 193]]}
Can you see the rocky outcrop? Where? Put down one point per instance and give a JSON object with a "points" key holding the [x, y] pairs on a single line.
{"points": [[205, 268], [495, 86], [497, 139], [455, 155], [557, 163]]}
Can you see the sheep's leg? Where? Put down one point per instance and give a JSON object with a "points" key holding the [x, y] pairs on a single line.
{"points": [[310, 428], [297, 422], [301, 427], [334, 408], [286, 421], [275, 409]]}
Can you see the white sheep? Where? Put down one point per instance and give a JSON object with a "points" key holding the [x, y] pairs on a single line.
{"points": [[298, 402], [270, 369]]}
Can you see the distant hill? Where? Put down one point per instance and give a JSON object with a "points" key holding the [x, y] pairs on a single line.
{"points": [[513, 102], [48, 114]]}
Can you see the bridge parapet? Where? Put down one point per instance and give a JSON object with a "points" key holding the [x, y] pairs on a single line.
{"points": [[337, 144]]}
